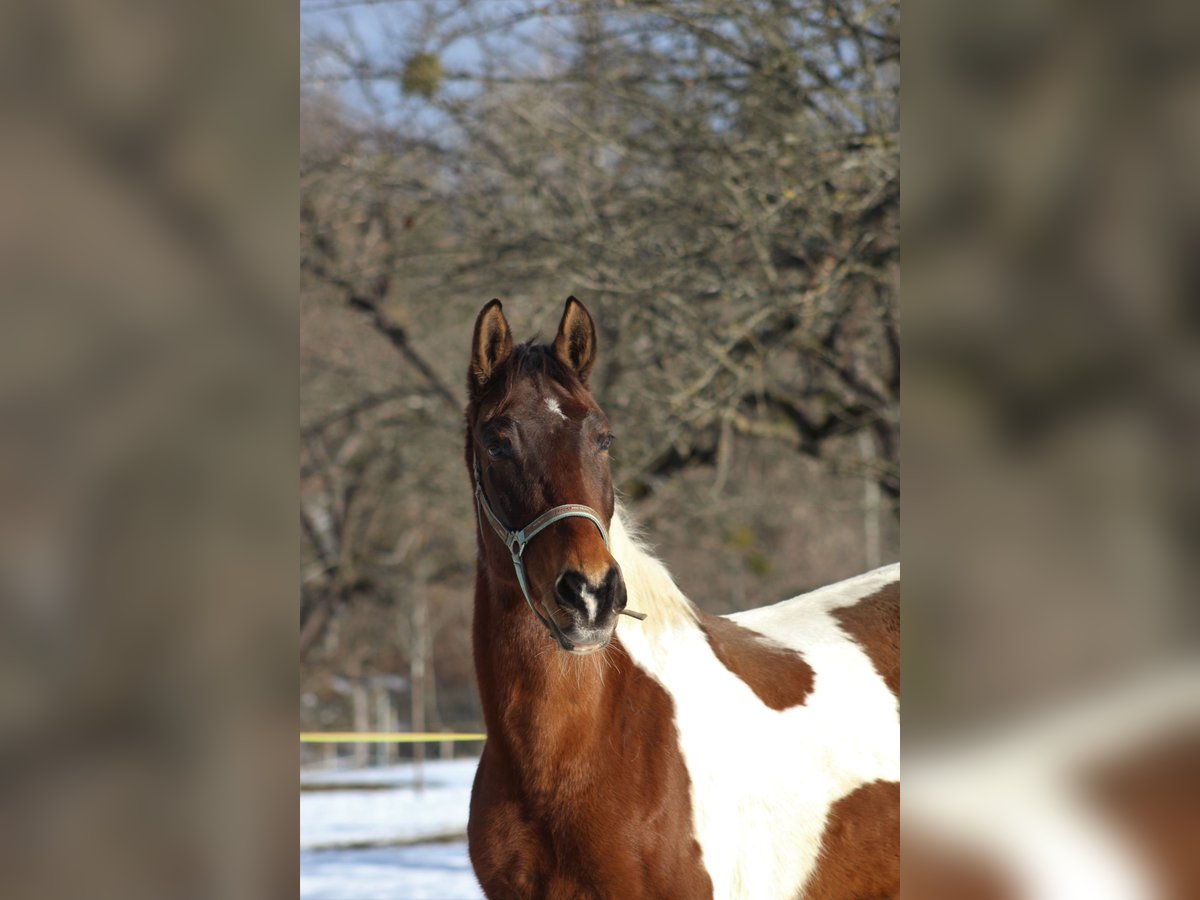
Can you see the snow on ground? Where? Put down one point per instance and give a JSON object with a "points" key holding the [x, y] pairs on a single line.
{"points": [[456, 771], [350, 828], [420, 872], [339, 818]]}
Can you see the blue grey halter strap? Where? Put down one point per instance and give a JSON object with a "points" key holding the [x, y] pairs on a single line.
{"points": [[517, 540]]}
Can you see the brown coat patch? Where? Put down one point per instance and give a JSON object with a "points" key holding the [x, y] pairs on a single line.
{"points": [[860, 849], [781, 678], [874, 624]]}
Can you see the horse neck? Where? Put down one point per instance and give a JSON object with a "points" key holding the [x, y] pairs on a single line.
{"points": [[543, 704], [549, 713]]}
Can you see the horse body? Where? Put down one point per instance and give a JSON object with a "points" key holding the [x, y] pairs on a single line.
{"points": [[687, 755]]}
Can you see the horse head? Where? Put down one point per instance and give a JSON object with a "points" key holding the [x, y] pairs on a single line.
{"points": [[537, 449]]}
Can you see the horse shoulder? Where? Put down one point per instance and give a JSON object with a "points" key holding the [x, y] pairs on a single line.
{"points": [[628, 834], [502, 842]]}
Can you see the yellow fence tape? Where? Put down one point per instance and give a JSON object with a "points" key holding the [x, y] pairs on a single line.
{"points": [[384, 737]]}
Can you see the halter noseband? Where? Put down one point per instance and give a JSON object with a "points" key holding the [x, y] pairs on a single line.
{"points": [[517, 541]]}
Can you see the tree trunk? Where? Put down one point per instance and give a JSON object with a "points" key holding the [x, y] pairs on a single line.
{"points": [[872, 502], [417, 673]]}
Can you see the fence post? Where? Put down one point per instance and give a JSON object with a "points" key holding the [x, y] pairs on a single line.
{"points": [[361, 721], [383, 720], [417, 678]]}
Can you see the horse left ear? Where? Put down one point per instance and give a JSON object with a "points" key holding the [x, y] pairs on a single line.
{"points": [[575, 343]]}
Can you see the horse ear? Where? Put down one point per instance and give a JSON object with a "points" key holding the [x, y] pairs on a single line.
{"points": [[490, 346], [575, 343]]}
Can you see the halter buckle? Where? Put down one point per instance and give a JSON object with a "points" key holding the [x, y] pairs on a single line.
{"points": [[516, 544]]}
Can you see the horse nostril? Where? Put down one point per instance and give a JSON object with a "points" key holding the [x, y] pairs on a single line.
{"points": [[616, 587], [569, 587], [594, 601]]}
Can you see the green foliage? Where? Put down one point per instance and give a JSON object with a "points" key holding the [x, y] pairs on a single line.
{"points": [[741, 537], [422, 75], [755, 560], [758, 563]]}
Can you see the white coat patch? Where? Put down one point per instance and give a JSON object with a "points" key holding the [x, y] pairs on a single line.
{"points": [[552, 405], [759, 825]]}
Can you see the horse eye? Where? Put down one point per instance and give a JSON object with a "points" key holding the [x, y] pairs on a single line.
{"points": [[606, 441], [498, 451]]}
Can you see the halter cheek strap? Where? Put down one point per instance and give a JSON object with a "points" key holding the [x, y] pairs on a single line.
{"points": [[516, 542]]}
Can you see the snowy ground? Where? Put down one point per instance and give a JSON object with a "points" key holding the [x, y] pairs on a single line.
{"points": [[368, 833], [420, 872], [342, 818]]}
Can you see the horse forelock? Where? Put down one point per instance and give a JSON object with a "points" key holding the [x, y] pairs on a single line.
{"points": [[531, 360]]}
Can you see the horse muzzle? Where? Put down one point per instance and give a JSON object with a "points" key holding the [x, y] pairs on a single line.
{"points": [[592, 605]]}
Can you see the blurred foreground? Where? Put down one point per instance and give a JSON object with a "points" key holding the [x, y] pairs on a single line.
{"points": [[147, 432], [1052, 401]]}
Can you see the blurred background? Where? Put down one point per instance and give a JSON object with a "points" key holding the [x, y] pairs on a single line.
{"points": [[718, 184]]}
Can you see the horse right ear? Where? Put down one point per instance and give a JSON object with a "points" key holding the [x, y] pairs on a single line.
{"points": [[491, 346]]}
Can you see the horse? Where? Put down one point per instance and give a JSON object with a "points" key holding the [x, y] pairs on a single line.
{"points": [[677, 754]]}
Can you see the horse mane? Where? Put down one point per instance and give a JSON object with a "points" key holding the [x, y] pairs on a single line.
{"points": [[539, 360], [649, 585]]}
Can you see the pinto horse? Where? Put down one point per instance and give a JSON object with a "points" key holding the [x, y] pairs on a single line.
{"points": [[677, 754]]}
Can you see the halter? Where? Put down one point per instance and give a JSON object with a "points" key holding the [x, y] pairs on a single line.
{"points": [[517, 541]]}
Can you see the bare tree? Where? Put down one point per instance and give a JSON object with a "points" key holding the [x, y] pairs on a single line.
{"points": [[718, 181]]}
